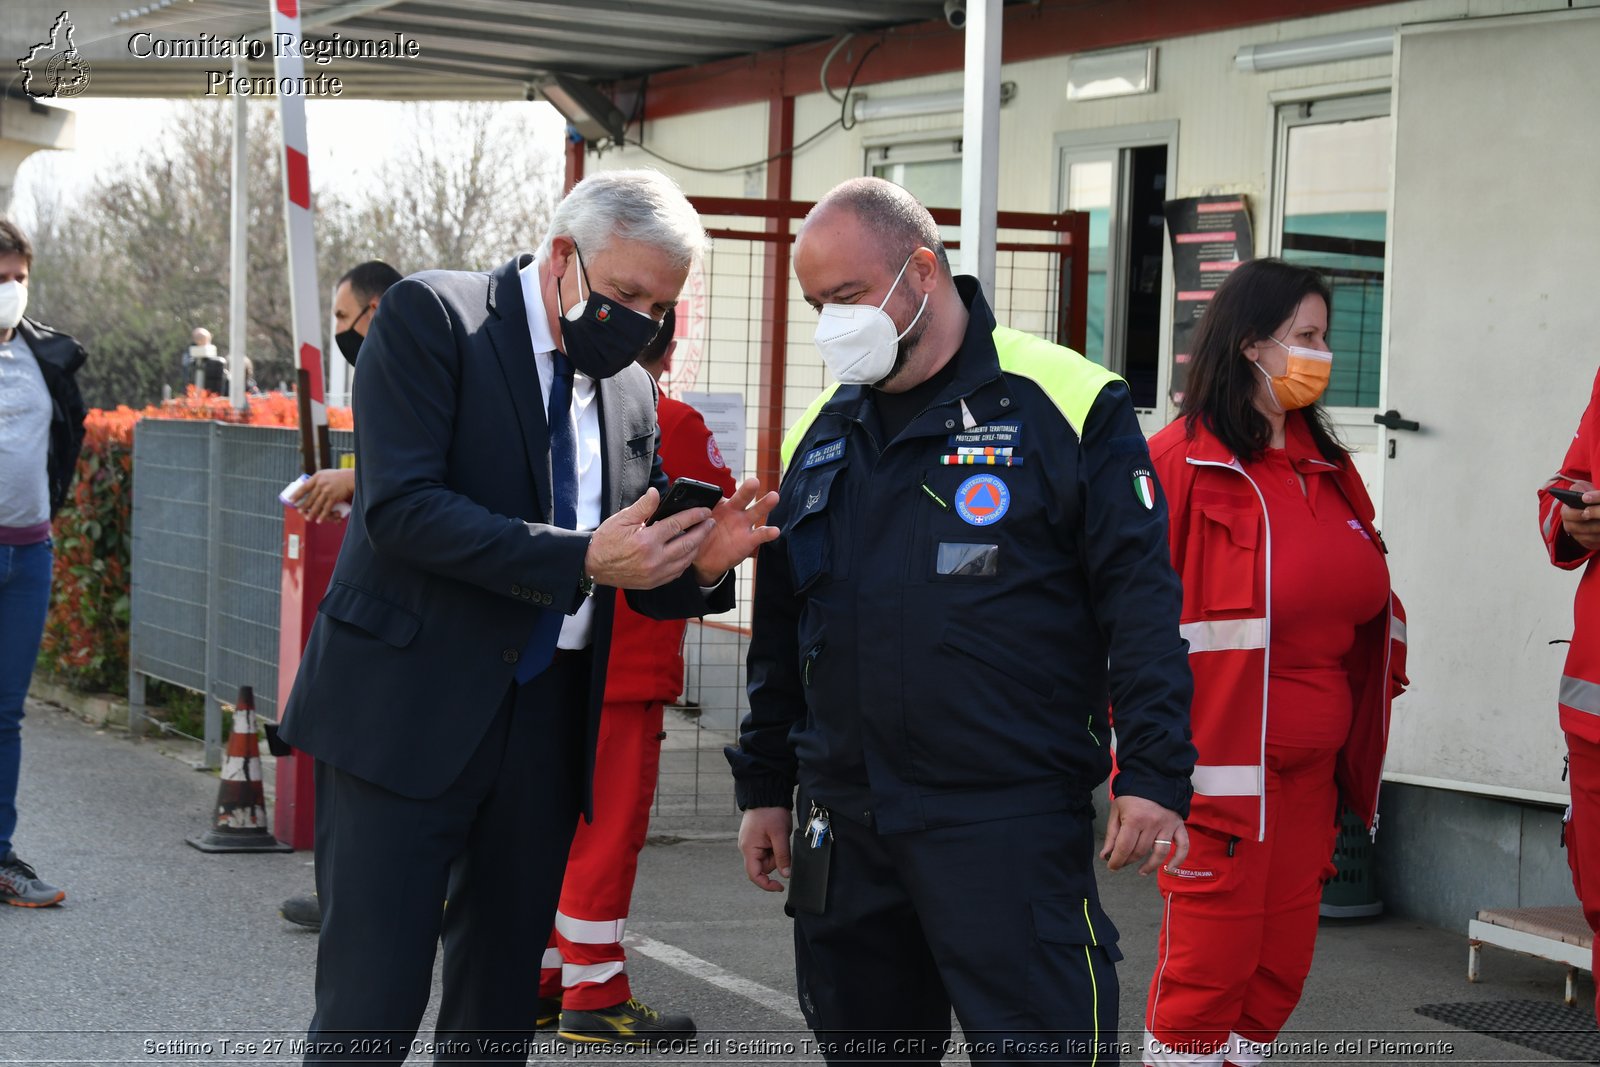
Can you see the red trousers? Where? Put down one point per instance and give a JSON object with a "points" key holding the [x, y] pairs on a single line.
{"points": [[585, 964], [1583, 836], [1240, 923]]}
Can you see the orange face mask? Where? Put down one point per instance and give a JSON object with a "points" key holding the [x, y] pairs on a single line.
{"points": [[1303, 381]]}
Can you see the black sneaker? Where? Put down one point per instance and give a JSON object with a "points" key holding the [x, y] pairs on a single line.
{"points": [[549, 1012], [21, 885], [630, 1023], [303, 911]]}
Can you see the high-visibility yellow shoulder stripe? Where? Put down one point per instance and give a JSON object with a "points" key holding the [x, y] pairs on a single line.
{"points": [[1071, 381], [797, 432]]}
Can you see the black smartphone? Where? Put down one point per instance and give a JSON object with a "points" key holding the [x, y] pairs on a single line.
{"points": [[1573, 498], [684, 494]]}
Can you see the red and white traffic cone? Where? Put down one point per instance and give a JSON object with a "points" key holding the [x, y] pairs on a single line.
{"points": [[241, 811]]}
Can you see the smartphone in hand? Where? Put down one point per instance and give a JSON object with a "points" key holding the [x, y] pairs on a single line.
{"points": [[1572, 498], [684, 494]]}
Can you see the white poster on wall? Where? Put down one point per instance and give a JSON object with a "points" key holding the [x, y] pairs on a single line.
{"points": [[724, 415]]}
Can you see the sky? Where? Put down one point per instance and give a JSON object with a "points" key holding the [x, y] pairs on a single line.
{"points": [[349, 141]]}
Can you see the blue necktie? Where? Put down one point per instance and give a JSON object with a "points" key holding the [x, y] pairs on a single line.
{"points": [[564, 496]]}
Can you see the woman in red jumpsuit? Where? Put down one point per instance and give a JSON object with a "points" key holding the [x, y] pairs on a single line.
{"points": [[1572, 536], [1294, 637]]}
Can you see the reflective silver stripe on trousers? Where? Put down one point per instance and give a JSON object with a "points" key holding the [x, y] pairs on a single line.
{"points": [[1242, 1052], [590, 931], [1224, 635], [1580, 695], [1220, 780], [595, 973], [1160, 1054]]}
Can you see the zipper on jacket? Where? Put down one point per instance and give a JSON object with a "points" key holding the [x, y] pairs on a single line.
{"points": [[1266, 658], [1233, 843], [810, 662], [935, 497]]}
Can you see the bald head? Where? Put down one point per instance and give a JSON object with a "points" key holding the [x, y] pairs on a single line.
{"points": [[893, 220], [869, 242]]}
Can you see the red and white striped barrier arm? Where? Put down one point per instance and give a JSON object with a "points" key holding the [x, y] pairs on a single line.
{"points": [[289, 67]]}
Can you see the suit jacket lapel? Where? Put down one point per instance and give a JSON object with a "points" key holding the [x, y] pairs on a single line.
{"points": [[613, 441], [508, 332]]}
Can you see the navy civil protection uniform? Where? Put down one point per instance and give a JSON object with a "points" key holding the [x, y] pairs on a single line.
{"points": [[937, 637]]}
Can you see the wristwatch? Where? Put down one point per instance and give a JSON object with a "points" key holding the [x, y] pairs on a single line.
{"points": [[585, 580]]}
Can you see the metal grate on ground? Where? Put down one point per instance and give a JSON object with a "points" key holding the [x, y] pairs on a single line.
{"points": [[1542, 1025]]}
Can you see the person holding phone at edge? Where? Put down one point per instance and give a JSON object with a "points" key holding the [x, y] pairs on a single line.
{"points": [[1569, 522], [451, 687], [1297, 644]]}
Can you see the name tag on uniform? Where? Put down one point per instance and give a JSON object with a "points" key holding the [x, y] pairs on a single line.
{"points": [[823, 454], [991, 435]]}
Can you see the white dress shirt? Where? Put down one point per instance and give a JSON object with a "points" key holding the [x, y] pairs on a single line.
{"points": [[576, 628]]}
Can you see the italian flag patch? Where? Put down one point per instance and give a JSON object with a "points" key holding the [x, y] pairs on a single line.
{"points": [[1144, 488]]}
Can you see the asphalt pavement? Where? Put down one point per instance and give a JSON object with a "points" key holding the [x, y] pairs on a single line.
{"points": [[162, 954]]}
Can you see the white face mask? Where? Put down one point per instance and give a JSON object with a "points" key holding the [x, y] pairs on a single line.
{"points": [[859, 343], [13, 302]]}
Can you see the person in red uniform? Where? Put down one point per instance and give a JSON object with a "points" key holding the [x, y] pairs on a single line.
{"points": [[1296, 644], [1572, 535], [584, 979]]}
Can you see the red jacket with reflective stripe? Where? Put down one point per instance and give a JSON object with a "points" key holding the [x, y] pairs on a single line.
{"points": [[1221, 543], [646, 661], [1580, 683]]}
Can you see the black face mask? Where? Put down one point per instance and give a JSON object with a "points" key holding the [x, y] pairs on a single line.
{"points": [[349, 341], [599, 335]]}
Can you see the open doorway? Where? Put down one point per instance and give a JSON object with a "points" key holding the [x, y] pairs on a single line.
{"points": [[1120, 178]]}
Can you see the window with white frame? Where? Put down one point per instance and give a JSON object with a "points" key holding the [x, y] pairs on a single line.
{"points": [[1334, 161]]}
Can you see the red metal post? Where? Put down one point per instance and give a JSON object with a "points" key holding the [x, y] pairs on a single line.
{"points": [[309, 552], [775, 323], [574, 172], [1078, 295]]}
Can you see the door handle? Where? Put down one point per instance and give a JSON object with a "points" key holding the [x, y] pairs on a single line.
{"points": [[1393, 421]]}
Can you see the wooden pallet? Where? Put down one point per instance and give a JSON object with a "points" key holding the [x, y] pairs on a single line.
{"points": [[1559, 934]]}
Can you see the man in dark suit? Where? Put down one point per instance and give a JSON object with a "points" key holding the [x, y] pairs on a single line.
{"points": [[452, 684]]}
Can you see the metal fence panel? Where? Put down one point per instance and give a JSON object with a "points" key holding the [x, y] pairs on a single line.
{"points": [[170, 554], [207, 560]]}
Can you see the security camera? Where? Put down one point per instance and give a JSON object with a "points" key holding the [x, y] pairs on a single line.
{"points": [[955, 13]]}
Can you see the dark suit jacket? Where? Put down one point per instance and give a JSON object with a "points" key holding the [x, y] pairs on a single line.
{"points": [[440, 579]]}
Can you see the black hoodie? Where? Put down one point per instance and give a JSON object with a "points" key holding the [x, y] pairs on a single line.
{"points": [[59, 356]]}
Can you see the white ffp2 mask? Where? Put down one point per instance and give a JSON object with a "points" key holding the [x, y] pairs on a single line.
{"points": [[859, 342], [13, 302]]}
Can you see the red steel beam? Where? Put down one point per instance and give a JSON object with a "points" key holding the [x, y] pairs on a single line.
{"points": [[785, 208], [1031, 31]]}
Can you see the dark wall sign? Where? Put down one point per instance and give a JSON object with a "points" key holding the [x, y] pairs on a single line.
{"points": [[1211, 235]]}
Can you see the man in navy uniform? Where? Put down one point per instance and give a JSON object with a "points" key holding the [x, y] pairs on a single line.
{"points": [[968, 575]]}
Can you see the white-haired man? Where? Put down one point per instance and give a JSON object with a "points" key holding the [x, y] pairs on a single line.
{"points": [[451, 687]]}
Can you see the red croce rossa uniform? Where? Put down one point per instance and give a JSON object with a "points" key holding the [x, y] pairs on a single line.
{"points": [[585, 964], [1579, 697]]}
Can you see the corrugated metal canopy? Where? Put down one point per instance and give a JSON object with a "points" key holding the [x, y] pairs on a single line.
{"points": [[468, 48]]}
